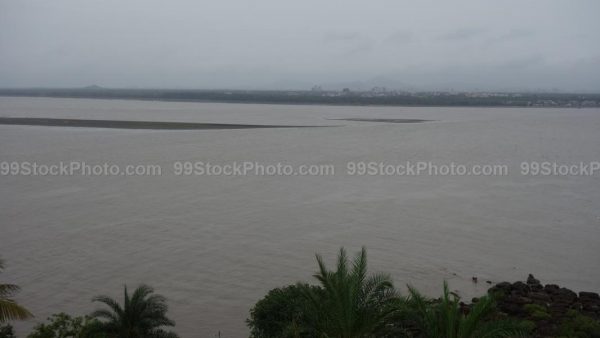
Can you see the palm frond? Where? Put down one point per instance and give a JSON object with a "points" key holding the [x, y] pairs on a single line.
{"points": [[499, 329], [104, 314], [352, 304], [162, 334], [8, 290], [111, 303], [359, 266], [342, 266], [142, 292], [141, 315], [10, 310], [478, 312]]}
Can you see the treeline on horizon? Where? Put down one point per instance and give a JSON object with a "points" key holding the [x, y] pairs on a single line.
{"points": [[318, 97]]}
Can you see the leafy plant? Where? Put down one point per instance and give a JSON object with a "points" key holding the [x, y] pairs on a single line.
{"points": [[6, 331], [537, 312], [141, 316], [9, 309], [282, 313], [577, 325], [351, 303], [445, 319], [62, 325]]}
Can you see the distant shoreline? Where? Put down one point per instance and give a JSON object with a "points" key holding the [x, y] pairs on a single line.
{"points": [[329, 98]]}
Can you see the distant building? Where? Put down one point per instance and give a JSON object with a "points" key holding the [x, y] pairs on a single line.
{"points": [[588, 103]]}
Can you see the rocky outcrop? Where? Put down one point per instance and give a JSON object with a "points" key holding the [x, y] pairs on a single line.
{"points": [[550, 307]]}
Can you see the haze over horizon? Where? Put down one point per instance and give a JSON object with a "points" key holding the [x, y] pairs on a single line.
{"points": [[425, 45]]}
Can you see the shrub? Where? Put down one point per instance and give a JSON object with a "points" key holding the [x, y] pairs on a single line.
{"points": [[282, 313], [62, 325], [577, 325], [527, 325], [537, 311], [6, 331], [530, 308], [142, 315]]}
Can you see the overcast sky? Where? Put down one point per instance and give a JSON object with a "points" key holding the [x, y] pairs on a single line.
{"points": [[461, 45]]}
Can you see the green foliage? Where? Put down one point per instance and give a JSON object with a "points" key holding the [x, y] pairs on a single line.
{"points": [[62, 325], [537, 312], [540, 315], [9, 309], [6, 331], [141, 316], [531, 308], [282, 313], [498, 296], [577, 325], [352, 303], [445, 319], [527, 326], [349, 303]]}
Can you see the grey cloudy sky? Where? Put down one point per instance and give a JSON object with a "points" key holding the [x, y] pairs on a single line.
{"points": [[484, 45]]}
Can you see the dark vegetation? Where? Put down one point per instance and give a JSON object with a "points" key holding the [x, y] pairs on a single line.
{"points": [[346, 302], [551, 310], [9, 309], [349, 302], [347, 97], [62, 325]]}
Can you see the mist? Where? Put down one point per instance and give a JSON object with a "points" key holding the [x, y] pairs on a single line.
{"points": [[408, 45]]}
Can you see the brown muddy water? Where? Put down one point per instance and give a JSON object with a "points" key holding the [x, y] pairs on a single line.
{"points": [[213, 245]]}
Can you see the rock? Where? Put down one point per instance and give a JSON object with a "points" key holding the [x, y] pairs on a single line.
{"points": [[540, 297], [565, 295], [560, 303], [518, 300], [520, 288], [589, 295], [532, 281], [464, 308], [512, 309], [590, 303], [500, 288], [591, 308], [551, 288], [503, 285], [537, 288]]}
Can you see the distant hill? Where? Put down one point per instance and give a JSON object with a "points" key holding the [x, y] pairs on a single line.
{"points": [[93, 87]]}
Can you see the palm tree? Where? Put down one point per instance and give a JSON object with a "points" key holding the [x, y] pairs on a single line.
{"points": [[141, 316], [9, 309], [351, 303], [445, 319]]}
